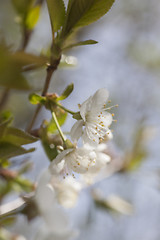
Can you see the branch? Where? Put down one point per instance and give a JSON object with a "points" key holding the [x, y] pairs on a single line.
{"points": [[50, 70]]}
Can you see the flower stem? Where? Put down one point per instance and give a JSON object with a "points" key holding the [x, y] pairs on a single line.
{"points": [[58, 127], [65, 109]]}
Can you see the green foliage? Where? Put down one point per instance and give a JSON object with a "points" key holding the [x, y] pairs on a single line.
{"points": [[36, 99], [61, 117], [22, 6], [32, 17], [8, 150], [66, 92], [81, 13], [98, 9], [11, 140], [50, 149], [57, 14], [49, 140], [18, 136], [87, 42], [12, 65], [10, 71], [28, 12], [25, 60], [76, 10]]}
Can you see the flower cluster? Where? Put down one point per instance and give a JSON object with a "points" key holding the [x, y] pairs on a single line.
{"points": [[67, 169], [88, 159]]}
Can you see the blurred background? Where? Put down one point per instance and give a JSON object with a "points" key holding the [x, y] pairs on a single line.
{"points": [[126, 61]]}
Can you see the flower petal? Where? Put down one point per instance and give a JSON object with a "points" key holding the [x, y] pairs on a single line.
{"points": [[99, 99], [76, 130], [58, 164], [85, 108]]}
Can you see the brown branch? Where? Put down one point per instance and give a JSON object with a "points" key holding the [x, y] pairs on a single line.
{"points": [[4, 98], [50, 70]]}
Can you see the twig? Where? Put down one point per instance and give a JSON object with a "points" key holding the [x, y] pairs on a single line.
{"points": [[4, 98], [50, 70]]}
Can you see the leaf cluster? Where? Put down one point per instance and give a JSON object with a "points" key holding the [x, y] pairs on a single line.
{"points": [[79, 13]]}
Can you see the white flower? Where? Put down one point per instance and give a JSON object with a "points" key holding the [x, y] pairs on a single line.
{"points": [[56, 223], [67, 190], [94, 173], [79, 160], [95, 118]]}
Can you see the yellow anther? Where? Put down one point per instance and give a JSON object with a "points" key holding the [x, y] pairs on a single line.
{"points": [[112, 114], [78, 164], [109, 101]]}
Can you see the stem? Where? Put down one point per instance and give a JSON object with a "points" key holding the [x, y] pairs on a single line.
{"points": [[50, 70], [58, 126], [65, 109], [45, 88], [4, 98]]}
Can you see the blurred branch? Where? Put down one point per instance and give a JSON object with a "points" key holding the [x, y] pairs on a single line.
{"points": [[4, 98]]}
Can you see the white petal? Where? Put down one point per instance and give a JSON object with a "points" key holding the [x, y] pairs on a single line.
{"points": [[88, 141], [57, 165], [99, 99], [85, 108], [80, 160], [68, 191], [107, 118], [76, 130]]}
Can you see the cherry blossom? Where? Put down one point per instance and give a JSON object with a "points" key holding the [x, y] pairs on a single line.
{"points": [[95, 119]]}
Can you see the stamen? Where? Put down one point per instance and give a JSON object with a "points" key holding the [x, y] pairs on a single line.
{"points": [[111, 107]]}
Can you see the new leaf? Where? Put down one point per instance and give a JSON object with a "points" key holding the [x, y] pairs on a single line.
{"points": [[57, 13]]}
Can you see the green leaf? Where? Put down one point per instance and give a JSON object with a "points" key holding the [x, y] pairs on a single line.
{"points": [[3, 126], [24, 59], [57, 13], [98, 9], [10, 71], [4, 163], [61, 117], [66, 92], [22, 6], [76, 10], [8, 150], [18, 136], [32, 17], [24, 184], [5, 115], [36, 99], [50, 149], [81, 13], [87, 42]]}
